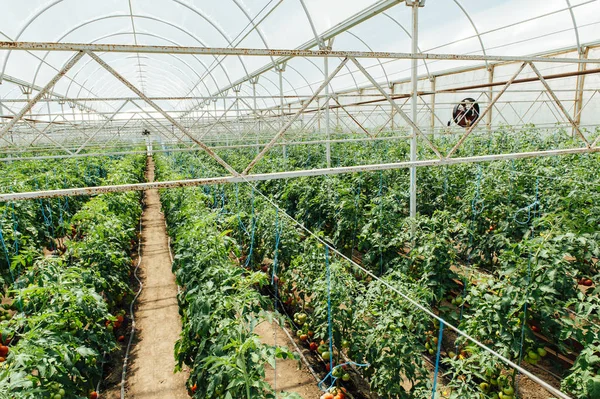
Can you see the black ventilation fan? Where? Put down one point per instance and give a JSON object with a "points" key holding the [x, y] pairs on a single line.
{"points": [[465, 113], [146, 132]]}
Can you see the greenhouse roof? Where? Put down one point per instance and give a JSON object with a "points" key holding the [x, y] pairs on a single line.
{"points": [[493, 27]]}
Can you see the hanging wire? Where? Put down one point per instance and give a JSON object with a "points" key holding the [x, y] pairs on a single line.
{"points": [[275, 284], [533, 206], [414, 303], [477, 207], [356, 205]]}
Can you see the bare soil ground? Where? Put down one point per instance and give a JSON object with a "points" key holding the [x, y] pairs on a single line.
{"points": [[151, 366], [289, 377]]}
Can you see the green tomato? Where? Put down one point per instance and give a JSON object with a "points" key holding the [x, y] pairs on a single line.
{"points": [[485, 387], [502, 380], [62, 392], [337, 372], [542, 352], [345, 344], [326, 355], [301, 318], [346, 377], [508, 390]]}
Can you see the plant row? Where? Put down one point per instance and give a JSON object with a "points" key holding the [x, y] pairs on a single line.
{"points": [[219, 303], [63, 313], [507, 252]]}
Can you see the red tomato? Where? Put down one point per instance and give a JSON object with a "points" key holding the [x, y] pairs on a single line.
{"points": [[94, 395]]}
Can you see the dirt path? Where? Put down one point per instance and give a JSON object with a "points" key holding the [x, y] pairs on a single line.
{"points": [[150, 374], [289, 377]]}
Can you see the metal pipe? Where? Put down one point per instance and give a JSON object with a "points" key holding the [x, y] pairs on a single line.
{"points": [[580, 89], [414, 109], [286, 175], [125, 48], [161, 111], [327, 116], [559, 103], [487, 109], [294, 118], [42, 93], [398, 109]]}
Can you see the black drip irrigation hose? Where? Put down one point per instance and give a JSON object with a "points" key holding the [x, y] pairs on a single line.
{"points": [[131, 305]]}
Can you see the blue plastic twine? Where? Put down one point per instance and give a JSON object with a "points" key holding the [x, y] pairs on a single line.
{"points": [[334, 379], [330, 328], [437, 359]]}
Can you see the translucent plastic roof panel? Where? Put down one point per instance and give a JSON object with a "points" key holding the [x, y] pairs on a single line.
{"points": [[492, 27]]}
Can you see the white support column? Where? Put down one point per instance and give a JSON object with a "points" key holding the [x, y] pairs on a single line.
{"points": [[254, 82], [281, 70], [491, 71], [392, 110], [433, 81], [327, 108], [415, 4]]}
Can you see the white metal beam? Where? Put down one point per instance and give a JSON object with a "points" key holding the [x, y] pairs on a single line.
{"points": [[126, 48], [288, 175]]}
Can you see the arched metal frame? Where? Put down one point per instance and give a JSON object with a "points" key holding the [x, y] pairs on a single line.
{"points": [[192, 84]]}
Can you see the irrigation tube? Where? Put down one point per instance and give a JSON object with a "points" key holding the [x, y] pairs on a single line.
{"points": [[515, 366], [132, 335]]}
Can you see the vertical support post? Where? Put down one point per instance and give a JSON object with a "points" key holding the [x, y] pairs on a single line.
{"points": [[579, 92], [327, 127], [225, 120], [281, 69], [490, 95], [415, 4], [238, 123], [254, 82], [392, 88], [432, 108], [319, 114]]}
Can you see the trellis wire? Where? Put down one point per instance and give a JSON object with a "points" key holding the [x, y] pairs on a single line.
{"points": [[437, 360], [414, 303], [533, 205]]}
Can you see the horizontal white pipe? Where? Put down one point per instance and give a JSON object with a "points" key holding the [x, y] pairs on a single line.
{"points": [[128, 48], [285, 175]]}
